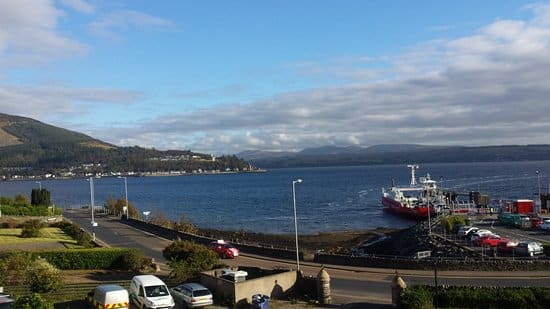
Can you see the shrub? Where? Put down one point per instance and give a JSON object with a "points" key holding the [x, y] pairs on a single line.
{"points": [[33, 301], [188, 259], [133, 260], [475, 297], [186, 226], [419, 297], [31, 228], [82, 238], [13, 267], [42, 277], [99, 258], [450, 222]]}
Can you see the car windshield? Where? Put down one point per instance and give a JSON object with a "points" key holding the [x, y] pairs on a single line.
{"points": [[156, 291], [198, 293]]}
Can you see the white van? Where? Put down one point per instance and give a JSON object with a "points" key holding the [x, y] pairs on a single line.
{"points": [[148, 291], [109, 296]]}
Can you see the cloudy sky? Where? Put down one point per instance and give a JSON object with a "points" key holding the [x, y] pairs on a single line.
{"points": [[227, 76]]}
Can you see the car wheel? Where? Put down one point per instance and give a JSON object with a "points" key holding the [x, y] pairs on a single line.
{"points": [[224, 256]]}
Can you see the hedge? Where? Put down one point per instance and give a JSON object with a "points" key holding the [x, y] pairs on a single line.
{"points": [[475, 297], [98, 258]]}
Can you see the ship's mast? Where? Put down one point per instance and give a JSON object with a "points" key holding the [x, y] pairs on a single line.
{"points": [[413, 168]]}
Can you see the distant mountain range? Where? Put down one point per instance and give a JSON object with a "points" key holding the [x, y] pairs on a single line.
{"points": [[395, 154], [29, 147]]}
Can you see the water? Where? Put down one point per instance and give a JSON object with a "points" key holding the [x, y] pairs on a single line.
{"points": [[328, 199]]}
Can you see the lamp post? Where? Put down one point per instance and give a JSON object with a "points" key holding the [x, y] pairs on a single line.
{"points": [[125, 210], [540, 198], [295, 221], [39, 185], [94, 224]]}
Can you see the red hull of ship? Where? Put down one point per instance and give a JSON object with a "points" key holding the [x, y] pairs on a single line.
{"points": [[418, 213]]}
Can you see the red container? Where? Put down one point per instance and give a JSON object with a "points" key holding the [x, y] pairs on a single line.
{"points": [[524, 206]]}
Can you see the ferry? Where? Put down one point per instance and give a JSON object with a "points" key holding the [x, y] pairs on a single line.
{"points": [[424, 199]]}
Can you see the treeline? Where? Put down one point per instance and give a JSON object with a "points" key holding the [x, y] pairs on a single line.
{"points": [[20, 205], [36, 159], [43, 148], [436, 155]]}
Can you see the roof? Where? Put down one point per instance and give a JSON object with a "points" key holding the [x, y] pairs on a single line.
{"points": [[194, 286], [149, 279]]}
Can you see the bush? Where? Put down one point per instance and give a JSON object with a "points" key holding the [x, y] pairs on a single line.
{"points": [[98, 258], [22, 268], [188, 259], [42, 277], [82, 238], [33, 301], [31, 228], [419, 297], [13, 267], [450, 222], [475, 297], [133, 260]]}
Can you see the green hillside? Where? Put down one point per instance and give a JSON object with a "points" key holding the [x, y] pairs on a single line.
{"points": [[29, 147]]}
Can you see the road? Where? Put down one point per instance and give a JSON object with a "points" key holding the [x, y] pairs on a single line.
{"points": [[348, 284]]}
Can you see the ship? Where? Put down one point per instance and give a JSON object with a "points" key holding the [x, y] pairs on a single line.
{"points": [[421, 200]]}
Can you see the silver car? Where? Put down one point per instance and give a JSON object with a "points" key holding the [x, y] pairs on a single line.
{"points": [[191, 295], [529, 248]]}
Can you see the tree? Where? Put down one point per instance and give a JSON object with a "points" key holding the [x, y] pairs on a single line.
{"points": [[40, 197], [116, 207]]}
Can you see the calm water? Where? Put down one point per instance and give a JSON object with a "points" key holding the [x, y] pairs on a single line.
{"points": [[328, 199]]}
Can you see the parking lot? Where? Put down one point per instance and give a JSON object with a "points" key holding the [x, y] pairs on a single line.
{"points": [[492, 224]]}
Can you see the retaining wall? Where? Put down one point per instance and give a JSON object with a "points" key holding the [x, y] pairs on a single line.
{"points": [[245, 248]]}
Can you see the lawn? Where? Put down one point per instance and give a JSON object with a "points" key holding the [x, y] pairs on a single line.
{"points": [[49, 235]]}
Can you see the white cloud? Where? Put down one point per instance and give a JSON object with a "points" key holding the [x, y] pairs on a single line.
{"points": [[485, 89], [112, 24], [56, 103], [79, 5], [29, 34]]}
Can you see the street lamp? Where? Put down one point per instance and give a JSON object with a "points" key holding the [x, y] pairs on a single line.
{"points": [[39, 185], [125, 209], [94, 224], [540, 198], [295, 221]]}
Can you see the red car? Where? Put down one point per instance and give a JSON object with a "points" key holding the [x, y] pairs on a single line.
{"points": [[223, 249], [492, 241], [507, 247]]}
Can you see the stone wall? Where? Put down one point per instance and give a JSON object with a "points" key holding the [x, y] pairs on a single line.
{"points": [[274, 286], [245, 248], [500, 264]]}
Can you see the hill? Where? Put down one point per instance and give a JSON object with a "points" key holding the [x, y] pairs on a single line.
{"points": [[397, 154], [29, 147]]}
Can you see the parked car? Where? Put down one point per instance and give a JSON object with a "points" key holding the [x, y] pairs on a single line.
{"points": [[191, 295], [529, 248], [545, 225], [148, 291], [507, 247], [465, 230], [108, 296], [480, 233], [490, 241], [223, 249]]}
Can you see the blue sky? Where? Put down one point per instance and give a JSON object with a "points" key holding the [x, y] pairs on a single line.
{"points": [[227, 76]]}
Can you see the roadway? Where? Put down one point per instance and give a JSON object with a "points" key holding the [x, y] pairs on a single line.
{"points": [[348, 284]]}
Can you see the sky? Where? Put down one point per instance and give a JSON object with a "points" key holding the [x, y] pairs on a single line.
{"points": [[223, 77]]}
